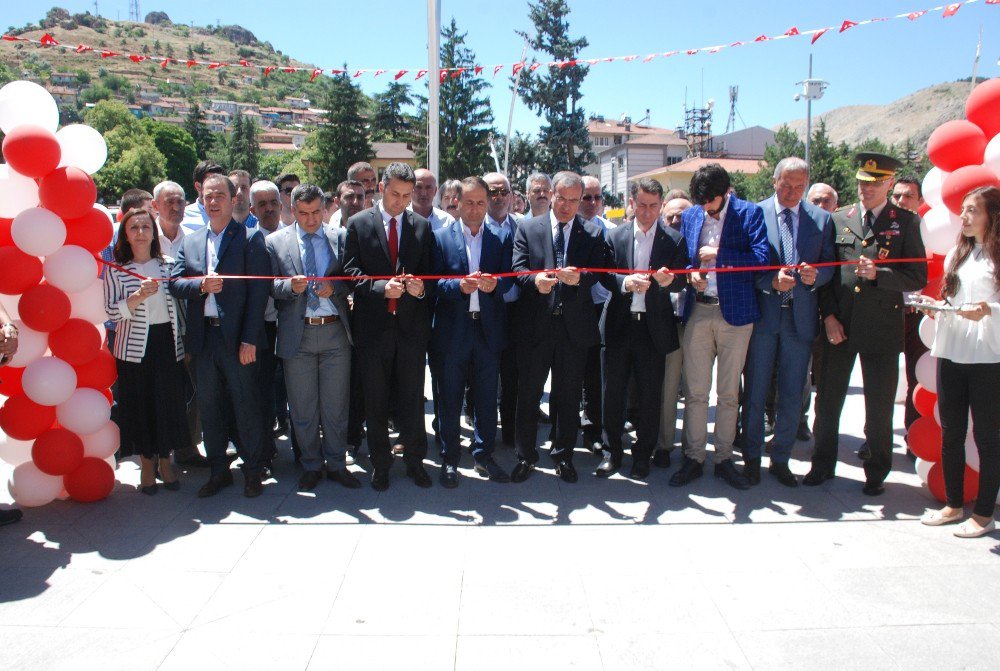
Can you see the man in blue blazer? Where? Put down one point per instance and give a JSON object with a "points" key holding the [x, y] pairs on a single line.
{"points": [[225, 329], [721, 231], [469, 329], [799, 235]]}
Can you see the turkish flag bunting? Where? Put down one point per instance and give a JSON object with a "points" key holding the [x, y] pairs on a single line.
{"points": [[668, 54], [379, 72], [358, 73], [993, 2], [315, 73], [109, 54], [534, 66], [714, 50], [245, 63], [136, 58], [736, 44], [80, 48], [48, 41], [648, 58], [818, 35], [761, 38], [457, 72], [13, 38], [191, 64], [565, 64], [847, 24], [213, 65], [268, 69], [289, 70], [420, 73], [479, 69], [517, 68], [335, 71], [948, 11], [792, 31], [165, 62], [400, 74], [913, 16], [692, 52], [629, 59]]}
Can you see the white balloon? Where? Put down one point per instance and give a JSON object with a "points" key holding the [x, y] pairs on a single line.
{"points": [[30, 487], [931, 186], [927, 372], [82, 147], [923, 468], [927, 330], [971, 451], [24, 102], [13, 451], [112, 462], [9, 303], [38, 232], [49, 381], [937, 413], [991, 159], [103, 443], [31, 345], [70, 268], [17, 192], [89, 304], [86, 411], [940, 229]]}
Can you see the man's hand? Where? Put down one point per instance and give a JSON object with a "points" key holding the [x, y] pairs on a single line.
{"points": [[544, 283], [975, 311], [323, 289], [487, 283], [808, 274], [865, 269], [636, 283], [211, 284], [834, 330], [414, 286], [663, 277], [569, 276], [299, 284], [394, 288], [708, 253], [468, 284], [783, 281], [698, 281], [248, 353]]}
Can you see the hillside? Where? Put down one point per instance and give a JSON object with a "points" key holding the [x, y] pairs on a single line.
{"points": [[914, 116]]}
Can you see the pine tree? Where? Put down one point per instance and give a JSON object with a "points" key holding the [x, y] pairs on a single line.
{"points": [[244, 149], [194, 124], [390, 123], [343, 140], [556, 95]]}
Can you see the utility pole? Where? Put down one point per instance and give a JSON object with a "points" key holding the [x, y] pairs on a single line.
{"points": [[434, 85], [812, 89], [510, 115]]}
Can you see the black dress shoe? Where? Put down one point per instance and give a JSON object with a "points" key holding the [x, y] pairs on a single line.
{"points": [[10, 516], [266, 471], [149, 490], [344, 477], [380, 479], [640, 469], [783, 474], [689, 470], [864, 452], [873, 488], [566, 472], [725, 470], [661, 458], [215, 484], [751, 471], [768, 426], [609, 465], [194, 461], [449, 476], [816, 477], [596, 447], [309, 480], [418, 474], [252, 486], [628, 427], [491, 469], [521, 471], [803, 433], [543, 417], [280, 428]]}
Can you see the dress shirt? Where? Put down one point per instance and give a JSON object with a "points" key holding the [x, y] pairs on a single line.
{"points": [[598, 292], [711, 234], [438, 219], [386, 217], [875, 213], [962, 340], [778, 209], [251, 220], [510, 225], [321, 252], [195, 216], [336, 219], [167, 246], [156, 305], [642, 249], [567, 228], [473, 252], [270, 312], [211, 260]]}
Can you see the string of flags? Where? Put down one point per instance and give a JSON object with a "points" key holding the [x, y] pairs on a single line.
{"points": [[47, 40]]}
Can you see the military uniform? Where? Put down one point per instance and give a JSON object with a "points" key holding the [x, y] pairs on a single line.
{"points": [[871, 312]]}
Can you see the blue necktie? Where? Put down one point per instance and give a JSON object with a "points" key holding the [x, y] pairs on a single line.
{"points": [[309, 263], [787, 248]]}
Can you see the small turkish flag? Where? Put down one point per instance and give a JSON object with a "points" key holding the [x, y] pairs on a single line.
{"points": [[109, 54], [818, 35], [421, 73], [692, 52], [48, 41], [358, 73], [80, 48], [761, 38], [951, 9], [792, 31], [379, 72], [479, 69], [268, 69], [315, 73], [913, 16], [517, 68], [847, 24], [648, 58], [496, 69], [400, 74], [244, 62], [191, 64], [136, 58]]}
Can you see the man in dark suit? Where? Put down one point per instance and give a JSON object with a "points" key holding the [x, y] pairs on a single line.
{"points": [[225, 328], [556, 323], [314, 336], [799, 235], [639, 325], [862, 310], [469, 329], [719, 311], [392, 320]]}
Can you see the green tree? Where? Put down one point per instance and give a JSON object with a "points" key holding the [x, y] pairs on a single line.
{"points": [[133, 159], [195, 126], [343, 140], [6, 74], [830, 164], [556, 94], [525, 158], [178, 149], [390, 122], [466, 116], [272, 165], [759, 186], [244, 148]]}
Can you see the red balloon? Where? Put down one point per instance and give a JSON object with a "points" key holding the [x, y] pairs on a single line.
{"points": [[20, 271], [958, 184], [76, 342], [91, 481], [923, 400], [69, 192], [935, 268], [10, 381], [44, 308], [57, 452], [935, 483], [982, 105], [32, 151], [924, 438], [5, 238], [955, 144], [98, 373], [23, 419], [923, 209], [93, 231]]}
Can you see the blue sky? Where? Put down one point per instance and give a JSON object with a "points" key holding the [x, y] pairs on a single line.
{"points": [[868, 64]]}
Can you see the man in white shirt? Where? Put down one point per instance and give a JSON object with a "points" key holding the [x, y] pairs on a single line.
{"points": [[195, 216], [424, 192], [169, 203]]}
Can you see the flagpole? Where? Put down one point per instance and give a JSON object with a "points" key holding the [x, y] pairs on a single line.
{"points": [[975, 63], [510, 116], [434, 86]]}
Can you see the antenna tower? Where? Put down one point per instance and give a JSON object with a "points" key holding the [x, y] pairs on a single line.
{"points": [[698, 128], [133, 11]]}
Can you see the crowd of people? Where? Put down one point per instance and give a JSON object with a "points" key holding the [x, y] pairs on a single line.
{"points": [[229, 331]]}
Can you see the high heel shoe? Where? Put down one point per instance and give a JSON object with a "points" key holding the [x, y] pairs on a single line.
{"points": [[169, 476], [147, 474], [149, 490]]}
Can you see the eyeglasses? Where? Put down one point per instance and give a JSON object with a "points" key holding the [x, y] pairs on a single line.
{"points": [[499, 192], [592, 199], [566, 201]]}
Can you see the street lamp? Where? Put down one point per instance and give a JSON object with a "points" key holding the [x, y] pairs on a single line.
{"points": [[812, 89]]}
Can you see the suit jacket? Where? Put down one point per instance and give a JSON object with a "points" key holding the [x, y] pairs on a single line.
{"points": [[366, 252], [286, 261], [668, 250], [743, 243], [241, 303], [871, 311], [451, 325], [814, 244], [534, 250]]}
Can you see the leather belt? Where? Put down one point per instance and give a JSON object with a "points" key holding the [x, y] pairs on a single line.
{"points": [[707, 300], [474, 316], [213, 321], [787, 305], [638, 316], [319, 321]]}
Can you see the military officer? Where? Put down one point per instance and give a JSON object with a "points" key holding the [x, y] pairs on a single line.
{"points": [[862, 311]]}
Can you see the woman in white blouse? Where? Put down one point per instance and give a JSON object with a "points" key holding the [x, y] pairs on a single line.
{"points": [[967, 346], [148, 350]]}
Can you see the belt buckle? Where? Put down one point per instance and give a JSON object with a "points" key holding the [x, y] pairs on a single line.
{"points": [[474, 316]]}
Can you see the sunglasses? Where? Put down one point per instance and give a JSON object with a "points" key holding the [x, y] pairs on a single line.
{"points": [[592, 199], [499, 192]]}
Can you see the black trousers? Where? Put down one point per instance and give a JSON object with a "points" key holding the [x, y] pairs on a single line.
{"points": [[356, 409], [555, 351], [881, 375], [392, 366], [593, 391], [508, 381], [638, 357], [961, 388], [267, 367]]}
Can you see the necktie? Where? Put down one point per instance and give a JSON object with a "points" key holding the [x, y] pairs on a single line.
{"points": [[787, 248], [309, 264], [393, 256], [560, 246], [869, 220]]}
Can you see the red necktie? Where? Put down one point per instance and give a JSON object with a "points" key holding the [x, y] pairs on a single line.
{"points": [[393, 255]]}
